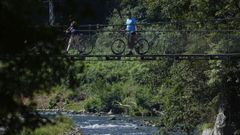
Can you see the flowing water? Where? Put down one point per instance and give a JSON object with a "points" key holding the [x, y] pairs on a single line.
{"points": [[109, 124], [112, 125]]}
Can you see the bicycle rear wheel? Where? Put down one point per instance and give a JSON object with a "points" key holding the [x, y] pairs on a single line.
{"points": [[118, 46], [142, 46], [85, 47]]}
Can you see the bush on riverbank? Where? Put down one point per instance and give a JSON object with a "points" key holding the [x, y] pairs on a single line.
{"points": [[59, 126]]}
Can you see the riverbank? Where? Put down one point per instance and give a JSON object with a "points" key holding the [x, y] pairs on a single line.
{"points": [[73, 131], [56, 126]]}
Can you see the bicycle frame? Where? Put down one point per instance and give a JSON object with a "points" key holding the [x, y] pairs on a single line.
{"points": [[138, 36], [126, 36], [140, 45], [78, 43]]}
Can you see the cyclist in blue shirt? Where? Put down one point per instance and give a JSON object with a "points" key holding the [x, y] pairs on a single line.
{"points": [[131, 29]]}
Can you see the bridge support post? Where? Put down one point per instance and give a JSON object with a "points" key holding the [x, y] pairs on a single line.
{"points": [[51, 12]]}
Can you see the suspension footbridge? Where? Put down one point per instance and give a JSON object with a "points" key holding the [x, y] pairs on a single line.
{"points": [[194, 40]]}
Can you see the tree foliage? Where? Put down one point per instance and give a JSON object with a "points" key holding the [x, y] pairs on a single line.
{"points": [[31, 61], [184, 93]]}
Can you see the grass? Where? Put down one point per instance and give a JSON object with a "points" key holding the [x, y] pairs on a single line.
{"points": [[62, 124]]}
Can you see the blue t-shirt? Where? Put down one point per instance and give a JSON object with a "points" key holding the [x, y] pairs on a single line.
{"points": [[131, 23]]}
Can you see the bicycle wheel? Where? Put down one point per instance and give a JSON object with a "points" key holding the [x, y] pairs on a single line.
{"points": [[142, 46], [82, 47], [118, 46], [85, 46]]}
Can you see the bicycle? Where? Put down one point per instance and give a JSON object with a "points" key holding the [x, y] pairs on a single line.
{"points": [[154, 40], [119, 45], [80, 45]]}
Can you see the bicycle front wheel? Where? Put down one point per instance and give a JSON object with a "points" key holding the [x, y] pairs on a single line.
{"points": [[142, 46], [118, 46]]}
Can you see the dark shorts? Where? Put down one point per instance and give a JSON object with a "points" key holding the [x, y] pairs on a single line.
{"points": [[131, 39]]}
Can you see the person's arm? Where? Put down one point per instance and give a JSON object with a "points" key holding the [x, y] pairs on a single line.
{"points": [[67, 30], [135, 23], [125, 25]]}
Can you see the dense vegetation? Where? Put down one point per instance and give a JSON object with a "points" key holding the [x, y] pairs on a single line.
{"points": [[30, 63], [185, 94], [59, 126]]}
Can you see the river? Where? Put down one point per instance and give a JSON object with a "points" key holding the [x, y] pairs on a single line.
{"points": [[112, 125], [91, 124]]}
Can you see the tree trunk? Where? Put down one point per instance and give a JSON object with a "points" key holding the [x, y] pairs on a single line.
{"points": [[208, 131], [220, 123]]}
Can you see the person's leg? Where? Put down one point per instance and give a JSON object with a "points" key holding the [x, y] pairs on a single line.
{"points": [[69, 42], [133, 35], [130, 43]]}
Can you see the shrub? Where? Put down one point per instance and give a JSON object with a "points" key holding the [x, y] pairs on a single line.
{"points": [[93, 104], [61, 125]]}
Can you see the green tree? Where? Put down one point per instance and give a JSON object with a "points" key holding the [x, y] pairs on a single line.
{"points": [[31, 61]]}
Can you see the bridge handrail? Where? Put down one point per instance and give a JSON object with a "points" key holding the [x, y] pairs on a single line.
{"points": [[159, 31], [217, 20]]}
